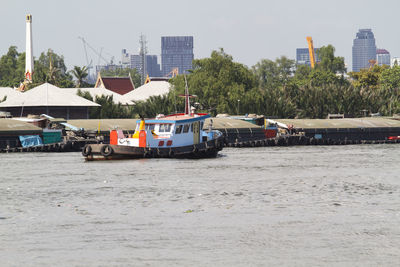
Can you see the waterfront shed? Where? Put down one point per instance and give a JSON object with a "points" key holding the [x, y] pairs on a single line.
{"points": [[48, 99]]}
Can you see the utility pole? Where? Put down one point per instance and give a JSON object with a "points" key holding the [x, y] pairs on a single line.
{"points": [[143, 53]]}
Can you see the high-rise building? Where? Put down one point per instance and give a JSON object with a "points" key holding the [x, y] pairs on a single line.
{"points": [[176, 52], [303, 56], [125, 59], [382, 57], [152, 66], [364, 49], [136, 62]]}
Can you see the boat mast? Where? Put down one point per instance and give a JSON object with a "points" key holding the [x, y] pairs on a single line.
{"points": [[187, 99]]}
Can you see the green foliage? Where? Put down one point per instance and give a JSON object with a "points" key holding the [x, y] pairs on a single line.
{"points": [[218, 83], [390, 90], [80, 74], [273, 88], [135, 76], [328, 61], [153, 106], [273, 73], [367, 77], [51, 68], [84, 94], [12, 68], [108, 109]]}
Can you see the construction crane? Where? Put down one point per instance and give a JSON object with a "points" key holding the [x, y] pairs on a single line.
{"points": [[311, 51], [88, 64], [86, 44]]}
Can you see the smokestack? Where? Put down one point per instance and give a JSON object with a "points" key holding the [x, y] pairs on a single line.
{"points": [[28, 51]]}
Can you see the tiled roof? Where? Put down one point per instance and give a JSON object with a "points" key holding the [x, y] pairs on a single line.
{"points": [[120, 85]]}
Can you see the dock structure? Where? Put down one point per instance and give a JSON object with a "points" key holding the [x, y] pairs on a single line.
{"points": [[346, 129], [237, 133], [10, 130]]}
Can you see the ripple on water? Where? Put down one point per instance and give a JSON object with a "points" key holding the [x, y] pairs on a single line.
{"points": [[313, 205]]}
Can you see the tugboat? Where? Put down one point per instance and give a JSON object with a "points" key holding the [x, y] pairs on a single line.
{"points": [[172, 136]]}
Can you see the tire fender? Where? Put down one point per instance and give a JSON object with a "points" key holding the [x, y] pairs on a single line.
{"points": [[106, 150]]}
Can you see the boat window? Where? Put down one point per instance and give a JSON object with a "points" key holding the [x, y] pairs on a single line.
{"points": [[191, 127], [165, 128], [186, 128], [178, 129], [149, 127], [201, 125]]}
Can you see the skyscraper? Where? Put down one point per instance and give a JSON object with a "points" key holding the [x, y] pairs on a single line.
{"points": [[364, 49], [176, 52], [303, 56], [152, 66], [382, 57]]}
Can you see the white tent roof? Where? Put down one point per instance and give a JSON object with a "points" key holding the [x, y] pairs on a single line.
{"points": [[46, 95], [144, 92], [8, 91], [98, 92]]}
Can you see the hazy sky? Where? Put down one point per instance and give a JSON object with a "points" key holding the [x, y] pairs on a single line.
{"points": [[248, 30]]}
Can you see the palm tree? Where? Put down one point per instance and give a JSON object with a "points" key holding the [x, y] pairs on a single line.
{"points": [[80, 74]]}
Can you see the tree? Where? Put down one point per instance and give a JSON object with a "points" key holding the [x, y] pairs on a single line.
{"points": [[80, 74], [218, 83], [389, 90], [12, 68], [328, 61], [135, 76], [51, 68], [108, 109], [273, 73]]}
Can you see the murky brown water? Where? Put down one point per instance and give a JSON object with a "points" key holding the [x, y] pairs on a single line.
{"points": [[291, 206]]}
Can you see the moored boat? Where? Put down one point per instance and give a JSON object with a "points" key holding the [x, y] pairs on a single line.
{"points": [[173, 136]]}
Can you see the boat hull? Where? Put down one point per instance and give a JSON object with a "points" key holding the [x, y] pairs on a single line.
{"points": [[206, 149]]}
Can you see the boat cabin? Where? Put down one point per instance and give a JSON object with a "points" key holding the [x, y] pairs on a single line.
{"points": [[166, 131]]}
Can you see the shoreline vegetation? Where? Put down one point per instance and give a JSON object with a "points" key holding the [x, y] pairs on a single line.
{"points": [[273, 88]]}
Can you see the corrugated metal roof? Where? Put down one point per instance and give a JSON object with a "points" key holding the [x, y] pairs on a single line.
{"points": [[341, 123], [15, 127], [46, 95], [144, 92]]}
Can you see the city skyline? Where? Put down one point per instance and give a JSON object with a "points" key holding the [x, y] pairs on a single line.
{"points": [[249, 32]]}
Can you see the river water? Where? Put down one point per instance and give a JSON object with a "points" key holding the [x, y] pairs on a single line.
{"points": [[267, 206]]}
